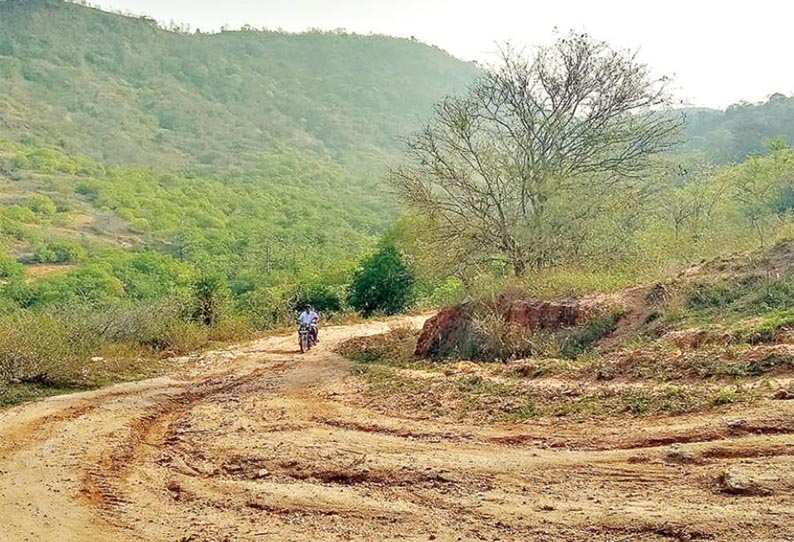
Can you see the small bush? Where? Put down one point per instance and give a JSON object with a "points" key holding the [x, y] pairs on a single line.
{"points": [[383, 284], [778, 294], [704, 295], [11, 269], [725, 396], [41, 205], [229, 330], [38, 349], [60, 252], [499, 340], [185, 337]]}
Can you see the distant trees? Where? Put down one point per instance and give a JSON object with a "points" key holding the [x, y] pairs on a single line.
{"points": [[692, 200], [513, 171], [744, 129], [764, 190]]}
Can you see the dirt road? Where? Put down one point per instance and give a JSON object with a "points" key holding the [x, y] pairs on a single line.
{"points": [[258, 443]]}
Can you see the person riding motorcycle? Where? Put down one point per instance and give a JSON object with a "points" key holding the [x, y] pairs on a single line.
{"points": [[310, 318]]}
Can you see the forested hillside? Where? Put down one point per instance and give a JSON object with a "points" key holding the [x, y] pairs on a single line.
{"points": [[123, 90], [741, 130], [153, 182], [213, 150]]}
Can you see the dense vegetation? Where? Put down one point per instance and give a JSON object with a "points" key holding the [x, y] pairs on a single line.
{"points": [[123, 90], [744, 129], [689, 212]]}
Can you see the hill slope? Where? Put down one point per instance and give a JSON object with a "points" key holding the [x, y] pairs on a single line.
{"points": [[741, 130], [122, 90], [259, 154]]}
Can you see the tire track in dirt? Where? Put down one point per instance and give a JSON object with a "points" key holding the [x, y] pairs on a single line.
{"points": [[42, 427], [154, 431]]}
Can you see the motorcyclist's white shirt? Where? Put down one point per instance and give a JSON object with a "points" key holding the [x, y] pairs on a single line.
{"points": [[308, 317]]}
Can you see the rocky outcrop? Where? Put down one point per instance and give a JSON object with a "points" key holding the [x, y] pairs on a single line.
{"points": [[449, 333]]}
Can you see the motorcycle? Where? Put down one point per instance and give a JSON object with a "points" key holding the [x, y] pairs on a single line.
{"points": [[306, 338]]}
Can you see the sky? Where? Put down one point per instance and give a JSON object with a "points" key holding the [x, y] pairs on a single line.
{"points": [[717, 52]]}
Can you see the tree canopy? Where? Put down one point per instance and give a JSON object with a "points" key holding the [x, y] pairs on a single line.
{"points": [[512, 171]]}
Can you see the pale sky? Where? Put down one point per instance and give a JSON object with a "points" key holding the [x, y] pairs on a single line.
{"points": [[718, 52]]}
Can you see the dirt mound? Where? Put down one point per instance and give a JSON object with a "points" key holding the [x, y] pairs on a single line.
{"points": [[445, 332], [449, 332]]}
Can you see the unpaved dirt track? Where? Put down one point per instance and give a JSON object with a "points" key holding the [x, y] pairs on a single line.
{"points": [[262, 444]]}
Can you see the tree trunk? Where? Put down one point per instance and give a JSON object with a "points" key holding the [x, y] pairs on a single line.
{"points": [[519, 267]]}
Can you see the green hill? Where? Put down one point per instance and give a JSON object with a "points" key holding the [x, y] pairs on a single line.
{"points": [[260, 154], [123, 90], [741, 130]]}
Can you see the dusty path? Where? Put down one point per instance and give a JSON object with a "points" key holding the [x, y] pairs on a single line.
{"points": [[261, 444]]}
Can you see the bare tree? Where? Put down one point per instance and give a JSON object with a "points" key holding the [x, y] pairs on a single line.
{"points": [[513, 170]]}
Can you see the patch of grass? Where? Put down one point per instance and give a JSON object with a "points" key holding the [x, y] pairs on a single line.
{"points": [[563, 282], [15, 394], [395, 348], [765, 330], [703, 295], [582, 339], [728, 395], [663, 363], [734, 298], [520, 412]]}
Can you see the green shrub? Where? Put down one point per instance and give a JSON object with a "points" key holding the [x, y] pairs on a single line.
{"points": [[383, 283], [705, 295], [765, 330], [11, 269], [725, 396], [210, 296], [60, 252], [41, 205], [324, 298], [778, 294]]}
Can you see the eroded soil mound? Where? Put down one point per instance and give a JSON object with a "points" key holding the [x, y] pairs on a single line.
{"points": [[450, 333]]}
